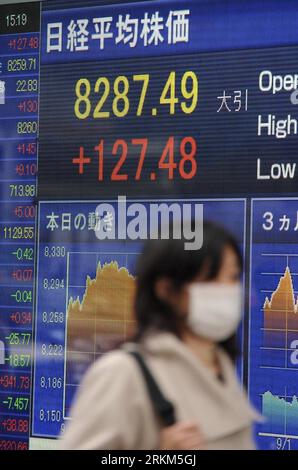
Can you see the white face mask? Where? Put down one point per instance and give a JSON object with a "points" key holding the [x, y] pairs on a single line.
{"points": [[214, 309]]}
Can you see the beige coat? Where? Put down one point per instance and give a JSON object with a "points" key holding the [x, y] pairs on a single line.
{"points": [[113, 409]]}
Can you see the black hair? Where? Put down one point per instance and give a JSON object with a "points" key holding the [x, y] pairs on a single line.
{"points": [[169, 259]]}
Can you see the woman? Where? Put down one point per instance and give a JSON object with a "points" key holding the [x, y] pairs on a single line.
{"points": [[188, 308]]}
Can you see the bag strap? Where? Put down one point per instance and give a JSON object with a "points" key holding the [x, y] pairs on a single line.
{"points": [[163, 407]]}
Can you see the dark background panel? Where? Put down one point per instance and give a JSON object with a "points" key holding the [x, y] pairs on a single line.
{"points": [[228, 144], [32, 9]]}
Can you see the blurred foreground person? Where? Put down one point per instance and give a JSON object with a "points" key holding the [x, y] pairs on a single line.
{"points": [[174, 387]]}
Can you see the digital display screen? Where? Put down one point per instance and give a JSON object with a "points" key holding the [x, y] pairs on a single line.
{"points": [[114, 116]]}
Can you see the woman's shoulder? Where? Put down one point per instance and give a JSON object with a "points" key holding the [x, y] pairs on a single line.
{"points": [[117, 365]]}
